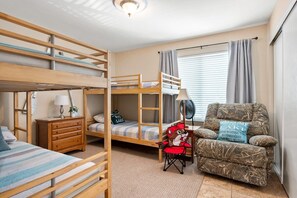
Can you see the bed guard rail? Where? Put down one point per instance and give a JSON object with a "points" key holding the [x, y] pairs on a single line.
{"points": [[96, 58], [165, 80], [96, 182]]}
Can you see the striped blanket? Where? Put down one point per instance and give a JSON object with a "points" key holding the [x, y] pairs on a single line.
{"points": [[130, 129], [26, 162]]}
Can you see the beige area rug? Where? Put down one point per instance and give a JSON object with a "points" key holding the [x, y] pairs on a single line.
{"points": [[137, 173]]}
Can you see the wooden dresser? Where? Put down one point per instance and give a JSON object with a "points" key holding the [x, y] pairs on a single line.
{"points": [[61, 135]]}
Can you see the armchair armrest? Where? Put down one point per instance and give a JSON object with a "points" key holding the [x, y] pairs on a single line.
{"points": [[205, 133], [263, 140]]}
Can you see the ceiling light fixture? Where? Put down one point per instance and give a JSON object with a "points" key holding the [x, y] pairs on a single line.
{"points": [[130, 6]]}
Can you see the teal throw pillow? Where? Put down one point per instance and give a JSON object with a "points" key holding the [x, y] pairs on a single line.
{"points": [[116, 118], [233, 131], [3, 145]]}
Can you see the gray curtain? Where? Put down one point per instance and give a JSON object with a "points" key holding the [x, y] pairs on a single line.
{"points": [[168, 65], [240, 82]]}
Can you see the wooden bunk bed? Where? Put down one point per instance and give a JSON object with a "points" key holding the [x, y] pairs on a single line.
{"points": [[28, 70], [133, 84]]}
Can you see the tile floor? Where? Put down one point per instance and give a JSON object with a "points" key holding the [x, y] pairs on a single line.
{"points": [[219, 187]]}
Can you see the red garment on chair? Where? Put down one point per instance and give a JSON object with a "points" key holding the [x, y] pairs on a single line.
{"points": [[175, 146]]}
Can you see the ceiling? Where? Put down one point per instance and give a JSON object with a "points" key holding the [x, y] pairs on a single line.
{"points": [[99, 23]]}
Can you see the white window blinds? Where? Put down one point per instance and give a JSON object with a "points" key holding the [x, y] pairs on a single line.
{"points": [[205, 78]]}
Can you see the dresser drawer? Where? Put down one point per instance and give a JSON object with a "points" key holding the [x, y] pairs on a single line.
{"points": [[67, 142], [66, 135], [66, 130], [65, 124]]}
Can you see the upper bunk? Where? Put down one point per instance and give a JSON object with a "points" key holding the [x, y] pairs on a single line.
{"points": [[133, 84], [40, 59]]}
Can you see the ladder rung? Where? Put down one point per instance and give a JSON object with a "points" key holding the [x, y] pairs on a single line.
{"points": [[21, 129], [150, 108], [23, 110], [149, 124]]}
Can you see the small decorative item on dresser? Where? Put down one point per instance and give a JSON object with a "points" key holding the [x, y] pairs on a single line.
{"points": [[73, 110]]}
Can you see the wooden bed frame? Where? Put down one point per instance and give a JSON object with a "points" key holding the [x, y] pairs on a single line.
{"points": [[24, 78], [136, 81]]}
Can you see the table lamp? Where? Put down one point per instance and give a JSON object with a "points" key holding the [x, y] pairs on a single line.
{"points": [[61, 100], [183, 96]]}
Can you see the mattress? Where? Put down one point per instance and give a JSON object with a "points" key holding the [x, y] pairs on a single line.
{"points": [[130, 129], [152, 84], [41, 63], [26, 162]]}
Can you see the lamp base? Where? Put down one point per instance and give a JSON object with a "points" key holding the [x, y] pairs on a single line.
{"points": [[61, 112]]}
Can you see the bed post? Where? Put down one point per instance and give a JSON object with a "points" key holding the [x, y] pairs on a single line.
{"points": [[52, 40], [107, 132], [139, 108], [16, 113], [160, 114], [29, 116], [85, 105]]}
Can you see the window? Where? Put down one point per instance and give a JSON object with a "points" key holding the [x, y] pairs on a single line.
{"points": [[205, 78]]}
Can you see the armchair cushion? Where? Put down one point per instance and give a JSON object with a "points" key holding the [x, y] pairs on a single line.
{"points": [[263, 140], [232, 152], [233, 131], [258, 126], [206, 133], [238, 112]]}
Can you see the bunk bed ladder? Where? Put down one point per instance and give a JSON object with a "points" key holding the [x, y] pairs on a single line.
{"points": [[27, 111], [140, 108], [159, 109]]}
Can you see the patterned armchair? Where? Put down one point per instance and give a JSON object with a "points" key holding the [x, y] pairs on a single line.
{"points": [[251, 162]]}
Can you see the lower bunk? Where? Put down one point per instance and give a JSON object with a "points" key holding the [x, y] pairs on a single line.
{"points": [[27, 170], [128, 131]]}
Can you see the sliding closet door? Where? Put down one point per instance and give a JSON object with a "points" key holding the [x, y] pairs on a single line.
{"points": [[278, 104], [290, 103]]}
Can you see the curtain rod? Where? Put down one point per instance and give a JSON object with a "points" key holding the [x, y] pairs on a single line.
{"points": [[185, 48]]}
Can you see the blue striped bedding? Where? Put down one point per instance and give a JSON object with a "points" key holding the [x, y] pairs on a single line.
{"points": [[26, 162], [130, 129]]}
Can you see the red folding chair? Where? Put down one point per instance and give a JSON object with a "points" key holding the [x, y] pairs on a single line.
{"points": [[175, 146]]}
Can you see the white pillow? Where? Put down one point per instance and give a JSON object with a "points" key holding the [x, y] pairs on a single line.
{"points": [[8, 136], [99, 118]]}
